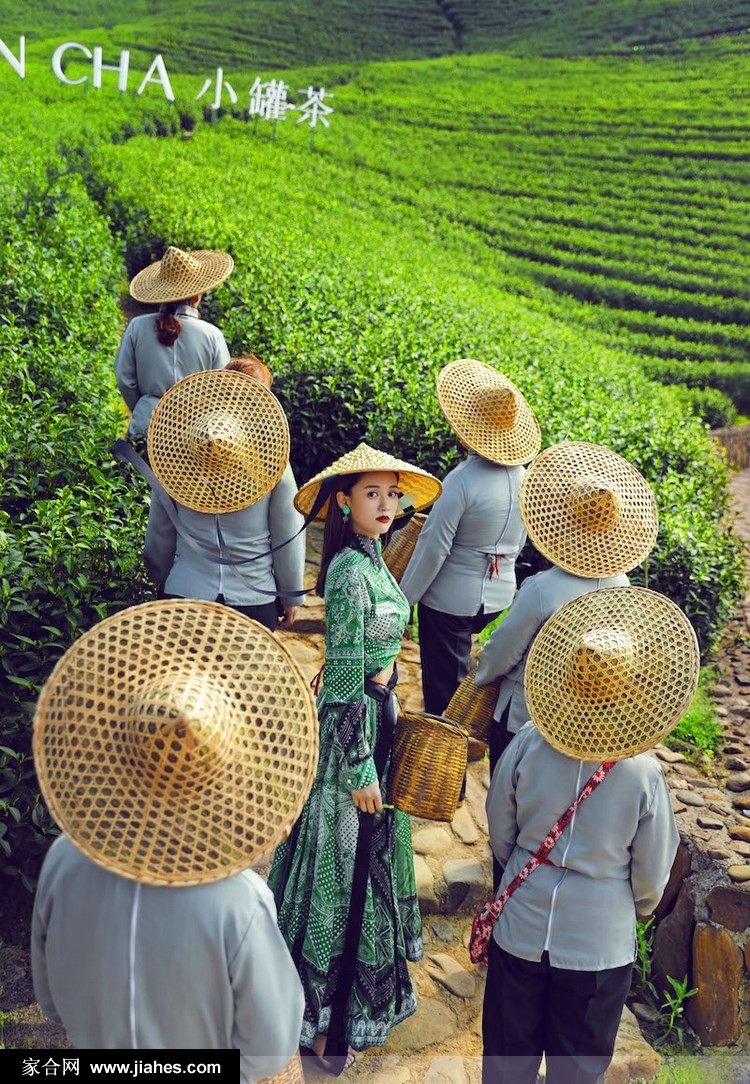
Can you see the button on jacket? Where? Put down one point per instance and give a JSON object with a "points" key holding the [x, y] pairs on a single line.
{"points": [[248, 532], [617, 853], [465, 554], [145, 368], [505, 653], [124, 965]]}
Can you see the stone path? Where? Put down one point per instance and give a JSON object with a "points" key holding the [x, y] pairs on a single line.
{"points": [[441, 1043], [712, 800]]}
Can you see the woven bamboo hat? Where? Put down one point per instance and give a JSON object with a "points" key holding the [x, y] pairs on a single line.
{"points": [[176, 742], [419, 484], [180, 275], [611, 673], [588, 510], [218, 441], [488, 412]]}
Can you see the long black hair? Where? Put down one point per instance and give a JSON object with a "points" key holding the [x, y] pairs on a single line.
{"points": [[338, 531]]}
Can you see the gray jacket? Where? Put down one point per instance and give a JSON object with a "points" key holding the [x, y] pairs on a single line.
{"points": [[466, 552], [250, 531], [124, 965], [506, 650], [612, 860], [144, 369]]}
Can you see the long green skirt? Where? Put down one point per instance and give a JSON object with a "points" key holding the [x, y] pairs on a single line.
{"points": [[311, 879]]}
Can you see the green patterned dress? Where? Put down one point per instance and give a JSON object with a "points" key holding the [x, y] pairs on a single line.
{"points": [[312, 872]]}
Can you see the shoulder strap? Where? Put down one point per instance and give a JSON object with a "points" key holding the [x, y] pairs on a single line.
{"points": [[487, 917]]}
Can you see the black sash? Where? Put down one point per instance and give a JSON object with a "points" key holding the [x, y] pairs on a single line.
{"points": [[337, 1048]]}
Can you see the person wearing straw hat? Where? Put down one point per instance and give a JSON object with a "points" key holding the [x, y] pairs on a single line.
{"points": [[219, 446], [175, 744], [462, 571], [594, 516], [608, 676], [344, 882], [157, 351]]}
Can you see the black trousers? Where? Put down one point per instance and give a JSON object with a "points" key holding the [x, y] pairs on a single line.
{"points": [[444, 649], [532, 1008]]}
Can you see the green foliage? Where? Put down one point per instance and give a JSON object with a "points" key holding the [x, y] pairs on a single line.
{"points": [[427, 225], [671, 1012], [671, 1002], [71, 525], [644, 938], [731, 378], [25, 824], [710, 405], [699, 731], [295, 32], [356, 323]]}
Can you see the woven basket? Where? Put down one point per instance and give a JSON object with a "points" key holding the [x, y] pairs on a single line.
{"points": [[400, 548], [427, 765], [472, 707], [291, 1074]]}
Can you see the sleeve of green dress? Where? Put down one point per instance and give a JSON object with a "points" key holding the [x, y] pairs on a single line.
{"points": [[344, 675]]}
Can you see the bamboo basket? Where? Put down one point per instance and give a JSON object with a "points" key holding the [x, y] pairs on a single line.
{"points": [[291, 1074], [428, 764], [472, 707], [400, 548]]}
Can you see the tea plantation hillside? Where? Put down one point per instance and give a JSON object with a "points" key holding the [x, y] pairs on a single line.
{"points": [[578, 223], [294, 32]]}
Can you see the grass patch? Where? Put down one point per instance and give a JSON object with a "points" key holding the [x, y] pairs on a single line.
{"points": [[703, 1069], [700, 731]]}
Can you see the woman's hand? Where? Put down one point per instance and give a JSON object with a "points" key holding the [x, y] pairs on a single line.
{"points": [[290, 614], [368, 799]]}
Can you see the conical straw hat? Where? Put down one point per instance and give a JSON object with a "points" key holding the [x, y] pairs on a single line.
{"points": [[218, 441], [179, 275], [423, 487], [488, 412], [611, 673], [588, 510], [176, 742]]}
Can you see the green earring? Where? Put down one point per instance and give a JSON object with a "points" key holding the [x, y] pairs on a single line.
{"points": [[345, 511]]}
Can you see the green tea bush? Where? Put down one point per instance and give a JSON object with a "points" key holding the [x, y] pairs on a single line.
{"points": [[71, 523], [356, 325], [731, 378], [361, 269]]}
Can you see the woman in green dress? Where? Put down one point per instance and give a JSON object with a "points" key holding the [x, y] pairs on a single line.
{"points": [[344, 880]]}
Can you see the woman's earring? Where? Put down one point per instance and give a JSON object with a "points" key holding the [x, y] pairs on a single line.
{"points": [[345, 511]]}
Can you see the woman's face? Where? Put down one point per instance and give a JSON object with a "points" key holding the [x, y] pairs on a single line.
{"points": [[373, 503]]}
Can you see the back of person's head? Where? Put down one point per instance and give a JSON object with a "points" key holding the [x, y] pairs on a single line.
{"points": [[168, 327], [251, 365]]}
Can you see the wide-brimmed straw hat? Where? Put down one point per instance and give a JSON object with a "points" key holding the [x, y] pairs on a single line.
{"points": [[611, 673], [218, 441], [179, 275], [588, 510], [488, 412], [420, 485], [176, 742]]}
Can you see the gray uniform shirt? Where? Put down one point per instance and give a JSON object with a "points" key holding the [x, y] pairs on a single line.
{"points": [[506, 650], [145, 369], [124, 965], [250, 531], [466, 552], [617, 853]]}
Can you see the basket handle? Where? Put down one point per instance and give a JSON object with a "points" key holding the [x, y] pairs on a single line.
{"points": [[457, 727]]}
